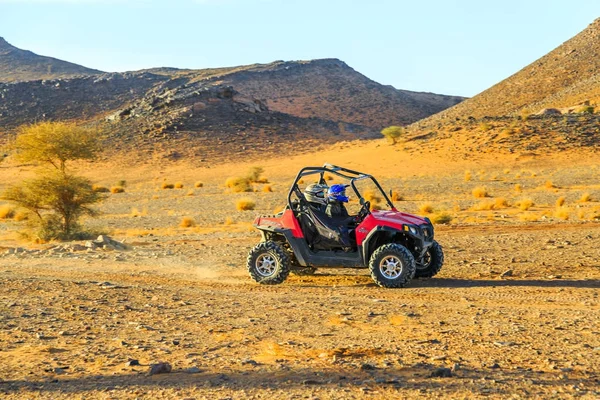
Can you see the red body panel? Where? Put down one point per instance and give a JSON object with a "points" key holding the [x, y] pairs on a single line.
{"points": [[286, 221], [393, 219]]}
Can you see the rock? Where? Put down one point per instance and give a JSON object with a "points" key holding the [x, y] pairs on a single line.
{"points": [[455, 367], [495, 366], [249, 362], [159, 368], [368, 367], [132, 363], [441, 372], [506, 273], [193, 370], [106, 243]]}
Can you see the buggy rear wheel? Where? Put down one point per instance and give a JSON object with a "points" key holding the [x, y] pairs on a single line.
{"points": [[392, 266], [268, 263]]}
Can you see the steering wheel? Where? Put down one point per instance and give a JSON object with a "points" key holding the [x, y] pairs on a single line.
{"points": [[364, 211]]}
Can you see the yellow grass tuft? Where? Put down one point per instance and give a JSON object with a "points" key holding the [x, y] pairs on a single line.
{"points": [[529, 217], [560, 201], [480, 192], [562, 213], [198, 184], [468, 176], [166, 185], [238, 184], [245, 204], [396, 196], [328, 177], [179, 185], [371, 196], [484, 205], [190, 192], [426, 208], [441, 217], [100, 189], [524, 204], [267, 189], [21, 216], [117, 189], [500, 202], [518, 188], [187, 222], [585, 198], [228, 221], [549, 185], [7, 211], [137, 213]]}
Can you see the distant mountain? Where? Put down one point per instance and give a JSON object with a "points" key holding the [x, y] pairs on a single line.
{"points": [[22, 65], [330, 89], [212, 111]]}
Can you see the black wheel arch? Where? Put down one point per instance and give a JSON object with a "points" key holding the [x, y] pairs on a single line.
{"points": [[382, 235]]}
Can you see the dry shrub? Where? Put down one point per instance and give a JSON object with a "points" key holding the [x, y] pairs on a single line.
{"points": [[468, 176], [117, 189], [484, 205], [267, 189], [500, 202], [7, 211], [301, 181], [585, 198], [441, 217], [190, 192], [506, 171], [517, 175], [549, 185], [426, 208], [581, 214], [179, 185], [480, 192], [166, 185], [137, 213], [254, 175], [396, 196], [228, 221], [21, 216], [238, 184], [375, 207], [529, 217], [198, 184], [187, 222], [371, 196], [245, 204], [562, 213], [328, 177], [560, 201], [155, 197], [518, 188], [524, 204], [100, 189]]}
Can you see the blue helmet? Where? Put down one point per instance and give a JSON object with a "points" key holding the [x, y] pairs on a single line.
{"points": [[337, 192]]}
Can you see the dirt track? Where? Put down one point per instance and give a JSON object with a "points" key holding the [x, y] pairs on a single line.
{"points": [[334, 335]]}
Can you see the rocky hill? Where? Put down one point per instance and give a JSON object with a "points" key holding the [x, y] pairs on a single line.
{"points": [[21, 65], [550, 104], [567, 76], [211, 112]]}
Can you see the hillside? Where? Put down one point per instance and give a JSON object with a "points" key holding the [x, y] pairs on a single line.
{"points": [[547, 106], [22, 65], [567, 76], [215, 113]]}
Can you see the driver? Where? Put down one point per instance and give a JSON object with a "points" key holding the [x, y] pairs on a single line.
{"points": [[336, 197]]}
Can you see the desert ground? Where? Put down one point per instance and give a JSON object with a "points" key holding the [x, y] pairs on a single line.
{"points": [[512, 314]]}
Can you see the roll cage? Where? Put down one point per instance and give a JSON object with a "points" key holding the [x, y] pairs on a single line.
{"points": [[345, 173]]}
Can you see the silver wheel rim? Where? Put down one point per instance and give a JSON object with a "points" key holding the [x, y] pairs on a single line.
{"points": [[390, 267], [426, 261], [266, 265]]}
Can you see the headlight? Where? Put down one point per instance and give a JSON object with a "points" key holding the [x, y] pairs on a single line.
{"points": [[411, 229]]}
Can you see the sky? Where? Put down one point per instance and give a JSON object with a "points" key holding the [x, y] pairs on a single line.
{"points": [[456, 47]]}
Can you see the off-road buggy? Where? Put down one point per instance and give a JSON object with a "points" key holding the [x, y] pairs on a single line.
{"points": [[395, 246]]}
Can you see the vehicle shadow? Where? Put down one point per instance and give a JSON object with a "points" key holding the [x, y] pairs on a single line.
{"points": [[467, 283], [418, 377]]}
